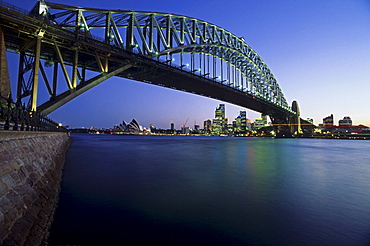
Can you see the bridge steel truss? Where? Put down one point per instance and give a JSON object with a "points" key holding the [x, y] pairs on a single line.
{"points": [[169, 50]]}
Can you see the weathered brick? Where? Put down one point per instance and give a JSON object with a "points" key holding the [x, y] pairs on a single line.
{"points": [[5, 145], [5, 204], [24, 170], [19, 161], [15, 177], [13, 164], [25, 149], [3, 232], [3, 188], [7, 154], [22, 142], [33, 178], [21, 190], [5, 168], [22, 176], [39, 184], [30, 216], [13, 144], [27, 225], [13, 197], [8, 180], [2, 157], [29, 168], [11, 217], [21, 208], [28, 200]]}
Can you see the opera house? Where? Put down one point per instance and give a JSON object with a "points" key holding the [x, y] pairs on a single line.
{"points": [[132, 127]]}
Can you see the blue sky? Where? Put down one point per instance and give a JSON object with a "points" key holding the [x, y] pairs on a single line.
{"points": [[319, 51]]}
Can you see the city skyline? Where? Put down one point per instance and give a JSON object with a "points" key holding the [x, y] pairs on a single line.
{"points": [[178, 125], [317, 50]]}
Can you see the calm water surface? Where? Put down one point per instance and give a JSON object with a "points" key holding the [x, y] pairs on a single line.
{"points": [[150, 190]]}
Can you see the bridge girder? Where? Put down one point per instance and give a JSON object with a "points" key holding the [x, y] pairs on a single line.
{"points": [[75, 39]]}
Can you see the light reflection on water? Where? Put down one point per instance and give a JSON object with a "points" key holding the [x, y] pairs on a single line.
{"points": [[213, 190]]}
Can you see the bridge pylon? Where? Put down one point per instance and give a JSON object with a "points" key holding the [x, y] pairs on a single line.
{"points": [[281, 124], [295, 120], [285, 125], [5, 89]]}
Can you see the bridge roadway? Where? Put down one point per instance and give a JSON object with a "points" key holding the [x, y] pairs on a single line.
{"points": [[35, 40]]}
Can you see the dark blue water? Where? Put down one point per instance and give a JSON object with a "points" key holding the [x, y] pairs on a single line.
{"points": [[165, 190]]}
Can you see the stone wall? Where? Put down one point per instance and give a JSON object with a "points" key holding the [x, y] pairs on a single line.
{"points": [[31, 166]]}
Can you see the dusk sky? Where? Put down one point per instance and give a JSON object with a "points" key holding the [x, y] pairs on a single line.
{"points": [[318, 50]]}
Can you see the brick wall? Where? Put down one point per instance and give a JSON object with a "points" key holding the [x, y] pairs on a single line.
{"points": [[31, 166]]}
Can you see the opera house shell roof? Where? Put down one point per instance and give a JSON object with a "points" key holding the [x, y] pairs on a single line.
{"points": [[133, 126]]}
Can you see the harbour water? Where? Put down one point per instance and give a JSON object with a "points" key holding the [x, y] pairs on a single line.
{"points": [[168, 190]]}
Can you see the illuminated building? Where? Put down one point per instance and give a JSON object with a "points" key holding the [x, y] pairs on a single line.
{"points": [[328, 121], [243, 120], [207, 125], [260, 122], [249, 125], [185, 130], [219, 124], [220, 112], [242, 124], [132, 127], [346, 121]]}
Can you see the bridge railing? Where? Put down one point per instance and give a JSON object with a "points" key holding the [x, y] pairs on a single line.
{"points": [[15, 117]]}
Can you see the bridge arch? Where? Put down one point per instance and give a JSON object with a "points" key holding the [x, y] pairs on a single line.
{"points": [[162, 36], [169, 50]]}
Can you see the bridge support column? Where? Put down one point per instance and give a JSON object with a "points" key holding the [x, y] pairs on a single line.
{"points": [[281, 125], [35, 79], [5, 89], [295, 121]]}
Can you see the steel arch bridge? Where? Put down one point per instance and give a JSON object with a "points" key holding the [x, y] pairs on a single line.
{"points": [[168, 50]]}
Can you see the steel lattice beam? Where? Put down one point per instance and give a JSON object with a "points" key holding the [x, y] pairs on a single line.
{"points": [[175, 51]]}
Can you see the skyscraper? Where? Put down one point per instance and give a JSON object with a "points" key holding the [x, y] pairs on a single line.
{"points": [[219, 124], [220, 112], [207, 125], [172, 126], [243, 121]]}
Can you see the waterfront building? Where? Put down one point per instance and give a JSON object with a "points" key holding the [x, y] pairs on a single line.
{"points": [[248, 125], [242, 124], [237, 124], [219, 124], [345, 122], [243, 121], [260, 122], [132, 127], [185, 130], [207, 125], [328, 121], [172, 126], [196, 128], [216, 127], [230, 128], [152, 127]]}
